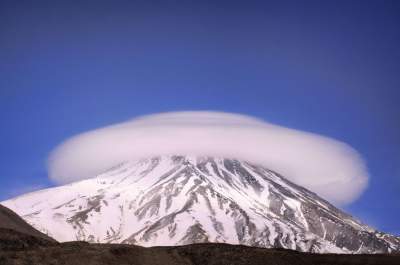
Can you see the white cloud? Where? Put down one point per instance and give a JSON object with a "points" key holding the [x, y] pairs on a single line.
{"points": [[328, 167]]}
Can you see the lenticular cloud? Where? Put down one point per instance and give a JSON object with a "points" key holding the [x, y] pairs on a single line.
{"points": [[328, 167]]}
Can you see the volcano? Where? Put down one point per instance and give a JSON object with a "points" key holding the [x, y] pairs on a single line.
{"points": [[180, 200]]}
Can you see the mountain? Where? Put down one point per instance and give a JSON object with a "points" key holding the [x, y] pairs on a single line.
{"points": [[179, 200], [22, 244]]}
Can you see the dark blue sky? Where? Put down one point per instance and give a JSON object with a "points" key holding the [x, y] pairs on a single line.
{"points": [[328, 67]]}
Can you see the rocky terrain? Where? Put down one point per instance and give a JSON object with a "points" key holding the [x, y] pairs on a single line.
{"points": [[76, 253]]}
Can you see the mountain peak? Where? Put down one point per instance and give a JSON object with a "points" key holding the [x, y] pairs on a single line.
{"points": [[176, 200]]}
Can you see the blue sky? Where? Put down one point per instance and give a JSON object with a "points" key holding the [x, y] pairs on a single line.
{"points": [[328, 67]]}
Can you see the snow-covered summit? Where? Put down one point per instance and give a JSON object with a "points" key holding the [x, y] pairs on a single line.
{"points": [[175, 200]]}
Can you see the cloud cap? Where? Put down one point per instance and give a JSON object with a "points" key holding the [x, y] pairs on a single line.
{"points": [[326, 166]]}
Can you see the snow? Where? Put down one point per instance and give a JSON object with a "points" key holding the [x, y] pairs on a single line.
{"points": [[155, 202]]}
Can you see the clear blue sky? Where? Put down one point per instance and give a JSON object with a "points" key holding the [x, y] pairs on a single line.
{"points": [[328, 67]]}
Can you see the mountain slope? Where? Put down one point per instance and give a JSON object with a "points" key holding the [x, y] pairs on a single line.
{"points": [[176, 200]]}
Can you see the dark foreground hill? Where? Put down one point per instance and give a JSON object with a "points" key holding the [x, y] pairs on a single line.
{"points": [[12, 221], [16, 234], [198, 254]]}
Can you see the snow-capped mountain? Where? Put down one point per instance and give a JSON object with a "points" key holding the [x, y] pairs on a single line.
{"points": [[175, 200]]}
